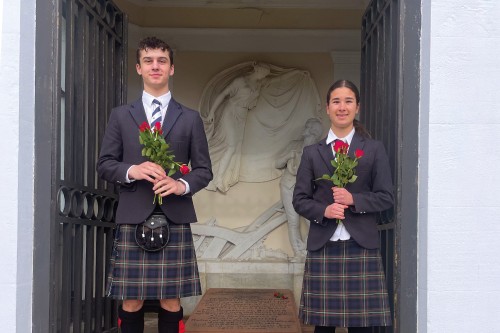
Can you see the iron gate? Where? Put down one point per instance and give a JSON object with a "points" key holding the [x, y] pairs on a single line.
{"points": [[93, 71], [380, 104]]}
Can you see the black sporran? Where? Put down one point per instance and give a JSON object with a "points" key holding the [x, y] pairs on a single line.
{"points": [[153, 234]]}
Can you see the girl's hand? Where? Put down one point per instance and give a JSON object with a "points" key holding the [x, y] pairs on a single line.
{"points": [[342, 196], [335, 211]]}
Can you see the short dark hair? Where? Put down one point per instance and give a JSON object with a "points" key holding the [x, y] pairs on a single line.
{"points": [[153, 43]]}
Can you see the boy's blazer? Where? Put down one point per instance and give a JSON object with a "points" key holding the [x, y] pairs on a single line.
{"points": [[183, 130], [372, 192]]}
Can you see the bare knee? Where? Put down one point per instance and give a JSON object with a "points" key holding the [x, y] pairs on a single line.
{"points": [[132, 305], [172, 305]]}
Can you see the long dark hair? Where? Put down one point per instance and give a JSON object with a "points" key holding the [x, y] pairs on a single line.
{"points": [[360, 129]]}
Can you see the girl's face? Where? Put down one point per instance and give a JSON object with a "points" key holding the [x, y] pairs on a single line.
{"points": [[342, 108]]}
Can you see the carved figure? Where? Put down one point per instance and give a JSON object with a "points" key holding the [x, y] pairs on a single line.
{"points": [[239, 97], [289, 161], [251, 112]]}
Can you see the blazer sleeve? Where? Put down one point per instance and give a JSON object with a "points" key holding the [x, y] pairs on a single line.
{"points": [[110, 165], [303, 194]]}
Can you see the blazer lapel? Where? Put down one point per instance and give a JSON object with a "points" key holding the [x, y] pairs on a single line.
{"points": [[357, 142], [137, 112], [326, 154], [173, 112], [326, 151]]}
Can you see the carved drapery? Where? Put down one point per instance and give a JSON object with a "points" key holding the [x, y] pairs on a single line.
{"points": [[268, 106]]}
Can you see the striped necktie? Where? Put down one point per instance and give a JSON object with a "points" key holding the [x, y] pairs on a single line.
{"points": [[156, 118]]}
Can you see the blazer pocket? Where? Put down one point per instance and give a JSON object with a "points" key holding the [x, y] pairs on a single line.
{"points": [[178, 139], [363, 166], [363, 169], [131, 187]]}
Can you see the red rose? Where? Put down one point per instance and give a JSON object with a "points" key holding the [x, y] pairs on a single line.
{"points": [[144, 127], [340, 146], [337, 145], [359, 153], [158, 127], [184, 169]]}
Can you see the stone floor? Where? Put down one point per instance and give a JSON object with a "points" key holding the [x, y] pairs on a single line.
{"points": [[151, 319]]}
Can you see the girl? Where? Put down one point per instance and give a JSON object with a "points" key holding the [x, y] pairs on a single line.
{"points": [[344, 283]]}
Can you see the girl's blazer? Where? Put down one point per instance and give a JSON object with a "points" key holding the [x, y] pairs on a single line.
{"points": [[372, 192]]}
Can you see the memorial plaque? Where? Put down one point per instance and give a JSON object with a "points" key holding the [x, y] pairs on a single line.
{"points": [[245, 311]]}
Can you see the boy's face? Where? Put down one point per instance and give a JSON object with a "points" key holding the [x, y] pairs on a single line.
{"points": [[155, 69]]}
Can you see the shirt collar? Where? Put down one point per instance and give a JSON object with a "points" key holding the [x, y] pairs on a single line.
{"points": [[147, 99], [332, 137]]}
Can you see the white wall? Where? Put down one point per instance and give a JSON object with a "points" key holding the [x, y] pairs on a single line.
{"points": [[16, 146], [460, 278]]}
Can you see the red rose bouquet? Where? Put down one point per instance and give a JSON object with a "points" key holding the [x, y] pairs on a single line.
{"points": [[157, 150], [344, 165]]}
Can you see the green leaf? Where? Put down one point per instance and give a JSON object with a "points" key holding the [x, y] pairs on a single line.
{"points": [[171, 172], [148, 152], [335, 178], [141, 141], [143, 152], [353, 179]]}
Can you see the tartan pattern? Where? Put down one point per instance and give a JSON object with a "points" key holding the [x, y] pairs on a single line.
{"points": [[169, 273], [344, 286]]}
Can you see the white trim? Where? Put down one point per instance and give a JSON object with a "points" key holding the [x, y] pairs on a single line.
{"points": [[252, 40]]}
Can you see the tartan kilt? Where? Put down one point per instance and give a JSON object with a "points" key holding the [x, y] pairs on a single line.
{"points": [[344, 286], [169, 273]]}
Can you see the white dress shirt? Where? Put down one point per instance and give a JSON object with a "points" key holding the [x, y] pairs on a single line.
{"points": [[147, 101], [341, 232]]}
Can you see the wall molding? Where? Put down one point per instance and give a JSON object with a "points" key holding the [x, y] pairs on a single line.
{"points": [[253, 40], [332, 4]]}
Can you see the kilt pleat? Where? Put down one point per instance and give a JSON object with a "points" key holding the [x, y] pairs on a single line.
{"points": [[169, 273], [344, 286]]}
